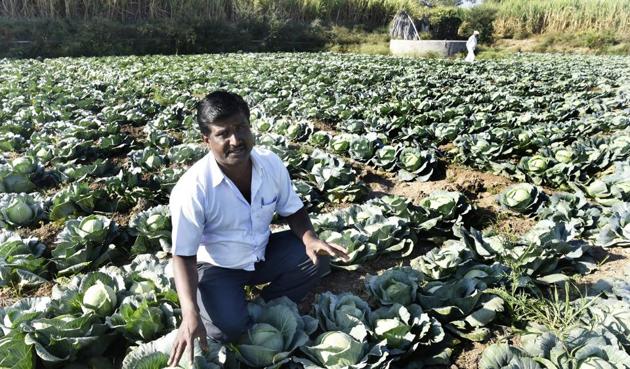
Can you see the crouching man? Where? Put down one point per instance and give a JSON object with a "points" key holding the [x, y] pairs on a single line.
{"points": [[221, 209]]}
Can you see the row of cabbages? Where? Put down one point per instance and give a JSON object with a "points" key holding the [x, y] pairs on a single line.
{"points": [[166, 155], [318, 176], [599, 212], [84, 243], [77, 325], [434, 103], [556, 163], [599, 339], [390, 224], [87, 313], [411, 162], [66, 152]]}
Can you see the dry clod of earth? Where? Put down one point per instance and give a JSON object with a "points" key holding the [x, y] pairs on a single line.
{"points": [[44, 232]]}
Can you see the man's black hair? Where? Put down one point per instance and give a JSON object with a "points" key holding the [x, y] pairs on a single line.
{"points": [[217, 106]]}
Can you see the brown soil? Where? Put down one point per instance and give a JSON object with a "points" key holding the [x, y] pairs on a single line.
{"points": [[120, 161], [469, 355], [97, 186], [474, 184], [324, 126], [511, 225], [614, 262], [480, 188], [137, 133], [46, 232], [9, 296], [122, 219], [141, 206], [329, 207]]}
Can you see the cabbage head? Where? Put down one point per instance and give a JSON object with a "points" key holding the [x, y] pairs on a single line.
{"points": [[99, 299], [394, 286], [152, 229], [441, 263], [522, 198], [278, 329], [19, 210], [534, 167], [416, 164], [83, 243], [142, 318], [449, 206], [345, 312], [336, 350]]}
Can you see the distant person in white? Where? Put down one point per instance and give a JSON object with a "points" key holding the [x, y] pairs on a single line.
{"points": [[471, 44], [221, 209]]}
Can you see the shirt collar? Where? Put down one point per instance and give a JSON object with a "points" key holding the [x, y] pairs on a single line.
{"points": [[217, 173]]}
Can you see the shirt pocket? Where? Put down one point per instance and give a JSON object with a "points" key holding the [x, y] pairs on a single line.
{"points": [[267, 209]]}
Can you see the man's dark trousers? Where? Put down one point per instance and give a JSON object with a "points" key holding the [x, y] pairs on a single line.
{"points": [[221, 297]]}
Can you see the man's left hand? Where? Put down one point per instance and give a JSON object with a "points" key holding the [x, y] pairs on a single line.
{"points": [[315, 246]]}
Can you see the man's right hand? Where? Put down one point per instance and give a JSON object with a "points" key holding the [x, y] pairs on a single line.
{"points": [[190, 329]]}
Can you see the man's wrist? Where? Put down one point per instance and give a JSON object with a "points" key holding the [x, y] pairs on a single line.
{"points": [[309, 236], [191, 313]]}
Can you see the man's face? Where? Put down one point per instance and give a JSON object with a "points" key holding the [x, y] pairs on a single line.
{"points": [[231, 140]]}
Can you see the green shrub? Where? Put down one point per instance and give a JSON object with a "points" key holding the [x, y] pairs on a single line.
{"points": [[444, 22], [59, 37], [480, 19]]}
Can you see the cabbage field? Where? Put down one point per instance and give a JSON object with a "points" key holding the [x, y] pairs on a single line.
{"points": [[485, 208]]}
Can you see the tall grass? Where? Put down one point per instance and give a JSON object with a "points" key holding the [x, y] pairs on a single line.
{"points": [[370, 12], [524, 17]]}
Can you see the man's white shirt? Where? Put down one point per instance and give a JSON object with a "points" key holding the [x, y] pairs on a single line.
{"points": [[212, 219]]}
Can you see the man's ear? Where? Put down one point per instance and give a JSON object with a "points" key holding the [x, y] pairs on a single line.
{"points": [[205, 139]]}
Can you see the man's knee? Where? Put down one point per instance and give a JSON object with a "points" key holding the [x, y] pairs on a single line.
{"points": [[232, 330]]}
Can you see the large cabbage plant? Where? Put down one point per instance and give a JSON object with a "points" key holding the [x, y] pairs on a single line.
{"points": [[462, 305], [278, 329], [75, 200], [66, 338], [416, 164], [405, 330], [394, 286], [616, 231], [20, 210], [339, 350], [346, 312], [503, 356], [522, 198], [580, 348], [84, 243], [443, 209], [155, 355], [152, 229], [21, 261]]}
